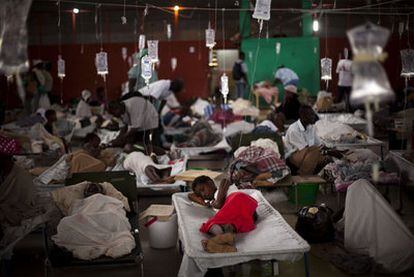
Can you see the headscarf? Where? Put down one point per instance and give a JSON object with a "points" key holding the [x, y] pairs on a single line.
{"points": [[86, 94]]}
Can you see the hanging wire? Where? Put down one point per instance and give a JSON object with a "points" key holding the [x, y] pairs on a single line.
{"points": [[292, 10], [60, 49]]}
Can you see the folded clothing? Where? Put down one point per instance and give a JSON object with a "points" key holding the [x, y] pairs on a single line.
{"points": [[262, 161]]}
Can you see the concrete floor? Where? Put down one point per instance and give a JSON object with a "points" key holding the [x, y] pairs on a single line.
{"points": [[29, 256]]}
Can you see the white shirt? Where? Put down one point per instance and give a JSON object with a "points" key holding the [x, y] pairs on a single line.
{"points": [[286, 75], [140, 113], [268, 124], [159, 89], [297, 138], [344, 69], [83, 109]]}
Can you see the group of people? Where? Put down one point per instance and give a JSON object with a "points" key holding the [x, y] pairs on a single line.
{"points": [[38, 87]]}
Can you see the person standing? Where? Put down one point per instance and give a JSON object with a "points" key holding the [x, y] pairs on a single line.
{"points": [[240, 75], [344, 69], [286, 76]]}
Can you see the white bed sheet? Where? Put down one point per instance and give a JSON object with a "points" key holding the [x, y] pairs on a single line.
{"points": [[194, 151], [273, 238], [377, 146]]}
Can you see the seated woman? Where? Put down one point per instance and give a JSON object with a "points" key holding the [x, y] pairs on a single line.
{"points": [[83, 110], [237, 213]]}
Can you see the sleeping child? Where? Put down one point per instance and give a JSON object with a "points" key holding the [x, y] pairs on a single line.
{"points": [[237, 213]]}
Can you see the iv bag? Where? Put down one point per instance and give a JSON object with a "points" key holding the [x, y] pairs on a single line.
{"points": [[153, 50], [101, 61], [278, 45], [173, 63], [210, 37], [262, 9], [169, 31], [13, 36], [368, 40], [326, 69], [224, 85], [407, 61], [61, 67], [146, 68], [141, 42], [370, 83]]}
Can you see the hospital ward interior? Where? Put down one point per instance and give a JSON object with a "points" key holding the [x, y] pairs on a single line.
{"points": [[194, 138]]}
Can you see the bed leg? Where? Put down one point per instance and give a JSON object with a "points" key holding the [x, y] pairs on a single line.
{"points": [[305, 259], [275, 268]]}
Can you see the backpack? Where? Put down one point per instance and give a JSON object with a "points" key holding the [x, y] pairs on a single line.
{"points": [[237, 72], [315, 224]]}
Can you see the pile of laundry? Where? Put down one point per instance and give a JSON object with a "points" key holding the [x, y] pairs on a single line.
{"points": [[258, 164], [357, 164]]}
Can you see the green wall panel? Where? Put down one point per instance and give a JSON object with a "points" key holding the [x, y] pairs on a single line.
{"points": [[298, 53]]}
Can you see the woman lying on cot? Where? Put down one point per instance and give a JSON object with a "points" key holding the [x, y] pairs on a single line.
{"points": [[237, 213]]}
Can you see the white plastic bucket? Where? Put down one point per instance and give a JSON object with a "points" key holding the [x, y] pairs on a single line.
{"points": [[163, 234]]}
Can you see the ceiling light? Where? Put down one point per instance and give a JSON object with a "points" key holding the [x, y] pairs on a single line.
{"points": [[75, 10]]}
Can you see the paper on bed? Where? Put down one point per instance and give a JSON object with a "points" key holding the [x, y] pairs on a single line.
{"points": [[191, 174], [273, 238]]}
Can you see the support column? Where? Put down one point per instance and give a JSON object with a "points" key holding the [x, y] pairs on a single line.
{"points": [[307, 19], [244, 20]]}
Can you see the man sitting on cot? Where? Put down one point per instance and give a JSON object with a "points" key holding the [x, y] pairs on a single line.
{"points": [[304, 149], [237, 213]]}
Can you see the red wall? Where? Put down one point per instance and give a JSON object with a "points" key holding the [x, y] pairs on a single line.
{"points": [[81, 71], [192, 67]]}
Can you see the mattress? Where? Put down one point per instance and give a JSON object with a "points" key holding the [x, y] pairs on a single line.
{"points": [[273, 238]]}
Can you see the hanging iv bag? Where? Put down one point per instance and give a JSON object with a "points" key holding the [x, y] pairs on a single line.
{"points": [[262, 9], [153, 50], [101, 61], [169, 31], [173, 63], [368, 41], [407, 63], [146, 68], [224, 85], [61, 67], [210, 37], [326, 69], [141, 42], [13, 36], [370, 82]]}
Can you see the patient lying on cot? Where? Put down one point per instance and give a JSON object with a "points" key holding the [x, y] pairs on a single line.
{"points": [[237, 213]]}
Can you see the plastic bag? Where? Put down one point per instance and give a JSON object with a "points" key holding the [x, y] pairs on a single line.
{"points": [[153, 50], [326, 69], [262, 9]]}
